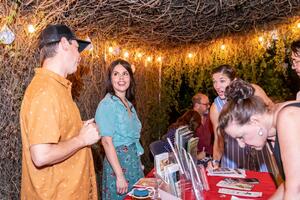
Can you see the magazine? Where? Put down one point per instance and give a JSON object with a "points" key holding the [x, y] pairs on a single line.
{"points": [[235, 183], [227, 172]]}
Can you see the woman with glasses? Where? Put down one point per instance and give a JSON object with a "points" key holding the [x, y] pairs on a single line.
{"points": [[248, 120], [120, 128], [226, 152]]}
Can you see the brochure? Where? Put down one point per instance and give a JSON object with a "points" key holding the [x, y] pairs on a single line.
{"points": [[239, 192], [235, 183], [227, 172]]}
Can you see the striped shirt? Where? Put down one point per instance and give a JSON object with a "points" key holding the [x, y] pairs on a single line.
{"points": [[245, 158]]}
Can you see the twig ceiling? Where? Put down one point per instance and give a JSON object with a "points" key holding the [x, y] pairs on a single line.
{"points": [[157, 22]]}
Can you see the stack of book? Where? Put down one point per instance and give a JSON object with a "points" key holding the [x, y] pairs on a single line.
{"points": [[183, 167]]}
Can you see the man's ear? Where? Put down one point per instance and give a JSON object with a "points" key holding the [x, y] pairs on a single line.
{"points": [[64, 43]]}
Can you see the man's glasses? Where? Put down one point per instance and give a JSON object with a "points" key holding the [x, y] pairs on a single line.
{"points": [[205, 104]]}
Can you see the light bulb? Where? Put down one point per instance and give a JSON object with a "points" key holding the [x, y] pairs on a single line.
{"points": [[31, 28]]}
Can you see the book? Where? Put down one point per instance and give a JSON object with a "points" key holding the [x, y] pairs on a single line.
{"points": [[173, 178], [179, 131], [235, 183], [184, 139], [192, 147], [227, 172], [160, 161]]}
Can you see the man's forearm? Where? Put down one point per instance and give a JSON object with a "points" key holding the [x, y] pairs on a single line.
{"points": [[49, 154]]}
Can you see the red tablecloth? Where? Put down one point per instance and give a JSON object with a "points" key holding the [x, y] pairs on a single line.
{"points": [[266, 185]]}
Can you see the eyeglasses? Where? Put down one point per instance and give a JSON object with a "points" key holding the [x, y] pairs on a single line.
{"points": [[205, 104]]}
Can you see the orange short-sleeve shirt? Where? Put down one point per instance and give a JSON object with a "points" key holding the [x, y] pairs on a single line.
{"points": [[49, 115]]}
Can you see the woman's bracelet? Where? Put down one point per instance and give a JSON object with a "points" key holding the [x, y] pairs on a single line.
{"points": [[215, 162]]}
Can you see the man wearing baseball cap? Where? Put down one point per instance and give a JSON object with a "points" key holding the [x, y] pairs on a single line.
{"points": [[57, 161]]}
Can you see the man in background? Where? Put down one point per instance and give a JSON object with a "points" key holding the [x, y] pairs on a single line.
{"points": [[57, 161], [205, 133]]}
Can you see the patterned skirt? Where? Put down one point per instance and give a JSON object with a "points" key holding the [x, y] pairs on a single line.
{"points": [[131, 166]]}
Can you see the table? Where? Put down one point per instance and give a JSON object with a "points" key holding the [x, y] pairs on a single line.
{"points": [[266, 185]]}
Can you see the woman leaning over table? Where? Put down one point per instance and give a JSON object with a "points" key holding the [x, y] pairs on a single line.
{"points": [[120, 129], [226, 150], [248, 120]]}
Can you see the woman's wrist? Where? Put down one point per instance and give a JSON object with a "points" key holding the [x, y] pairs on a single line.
{"points": [[215, 162]]}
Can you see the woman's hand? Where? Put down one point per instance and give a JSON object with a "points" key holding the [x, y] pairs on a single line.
{"points": [[213, 164], [122, 185]]}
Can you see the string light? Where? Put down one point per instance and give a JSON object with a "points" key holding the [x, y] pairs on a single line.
{"points": [[149, 59], [298, 25], [31, 28], [139, 55], [260, 39], [190, 55], [159, 59], [223, 47], [110, 49], [126, 54]]}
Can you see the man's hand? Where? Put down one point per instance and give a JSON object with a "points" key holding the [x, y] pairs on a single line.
{"points": [[89, 133]]}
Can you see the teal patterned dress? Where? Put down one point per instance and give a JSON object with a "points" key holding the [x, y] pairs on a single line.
{"points": [[113, 120]]}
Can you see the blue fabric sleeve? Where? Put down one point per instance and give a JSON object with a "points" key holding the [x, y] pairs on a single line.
{"points": [[105, 118]]}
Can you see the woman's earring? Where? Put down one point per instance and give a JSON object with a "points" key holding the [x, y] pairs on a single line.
{"points": [[260, 133]]}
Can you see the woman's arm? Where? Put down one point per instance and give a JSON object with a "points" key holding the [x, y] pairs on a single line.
{"points": [[218, 146], [262, 94], [111, 154], [288, 127], [278, 195]]}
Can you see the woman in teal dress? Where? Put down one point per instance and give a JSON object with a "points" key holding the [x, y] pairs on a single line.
{"points": [[120, 128]]}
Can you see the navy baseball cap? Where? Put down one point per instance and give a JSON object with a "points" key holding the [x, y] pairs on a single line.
{"points": [[54, 32]]}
